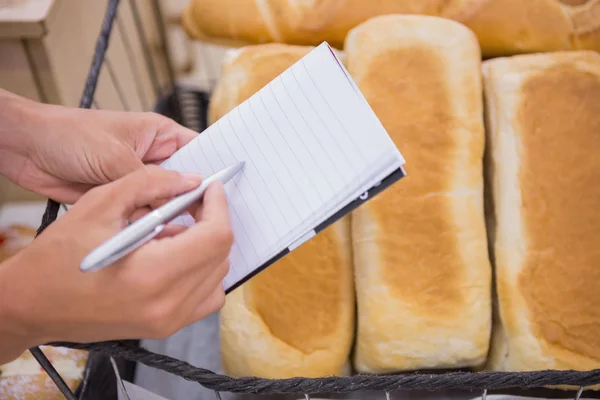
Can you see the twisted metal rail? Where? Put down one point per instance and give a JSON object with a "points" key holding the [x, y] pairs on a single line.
{"points": [[478, 381]]}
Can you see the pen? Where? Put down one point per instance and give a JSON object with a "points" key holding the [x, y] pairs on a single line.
{"points": [[150, 225]]}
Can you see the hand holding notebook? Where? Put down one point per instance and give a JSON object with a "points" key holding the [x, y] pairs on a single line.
{"points": [[313, 151]]}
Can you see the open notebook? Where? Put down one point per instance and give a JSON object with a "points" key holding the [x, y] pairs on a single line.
{"points": [[314, 150]]}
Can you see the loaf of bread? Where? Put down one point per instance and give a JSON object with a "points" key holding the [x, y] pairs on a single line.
{"points": [[543, 117], [14, 238], [291, 22], [246, 70], [24, 378], [297, 317], [504, 27], [423, 275], [508, 27]]}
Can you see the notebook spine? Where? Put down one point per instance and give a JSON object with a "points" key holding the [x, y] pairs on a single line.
{"points": [[366, 196]]}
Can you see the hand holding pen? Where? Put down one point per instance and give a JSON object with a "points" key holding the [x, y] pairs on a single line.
{"points": [[154, 291]]}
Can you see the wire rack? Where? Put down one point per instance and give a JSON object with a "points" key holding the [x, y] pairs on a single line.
{"points": [[188, 108]]}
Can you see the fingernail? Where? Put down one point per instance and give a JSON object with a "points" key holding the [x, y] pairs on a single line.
{"points": [[192, 178]]}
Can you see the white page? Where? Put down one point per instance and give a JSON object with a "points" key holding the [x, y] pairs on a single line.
{"points": [[311, 144]]}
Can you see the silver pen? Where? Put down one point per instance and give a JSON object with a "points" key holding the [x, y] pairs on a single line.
{"points": [[150, 225]]}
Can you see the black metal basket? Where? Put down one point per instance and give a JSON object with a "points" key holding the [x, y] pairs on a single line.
{"points": [[107, 359]]}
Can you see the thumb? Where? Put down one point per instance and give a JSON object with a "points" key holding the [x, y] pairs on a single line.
{"points": [[127, 165], [119, 162], [147, 185]]}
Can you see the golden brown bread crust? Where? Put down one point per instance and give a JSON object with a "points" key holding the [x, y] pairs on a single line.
{"points": [[506, 27], [503, 27], [247, 70], [296, 318], [291, 22], [420, 248], [543, 114], [225, 19], [24, 379], [316, 21], [586, 25]]}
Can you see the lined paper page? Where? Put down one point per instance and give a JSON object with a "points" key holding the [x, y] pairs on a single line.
{"points": [[310, 142]]}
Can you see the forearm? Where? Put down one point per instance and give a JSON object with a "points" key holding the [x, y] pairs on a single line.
{"points": [[15, 117], [18, 118], [15, 334]]}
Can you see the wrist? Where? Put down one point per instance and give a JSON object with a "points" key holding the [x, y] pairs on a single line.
{"points": [[19, 118]]}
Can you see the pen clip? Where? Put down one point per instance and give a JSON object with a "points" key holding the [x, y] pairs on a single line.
{"points": [[128, 249]]}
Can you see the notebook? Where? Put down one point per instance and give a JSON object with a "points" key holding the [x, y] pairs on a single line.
{"points": [[314, 150]]}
